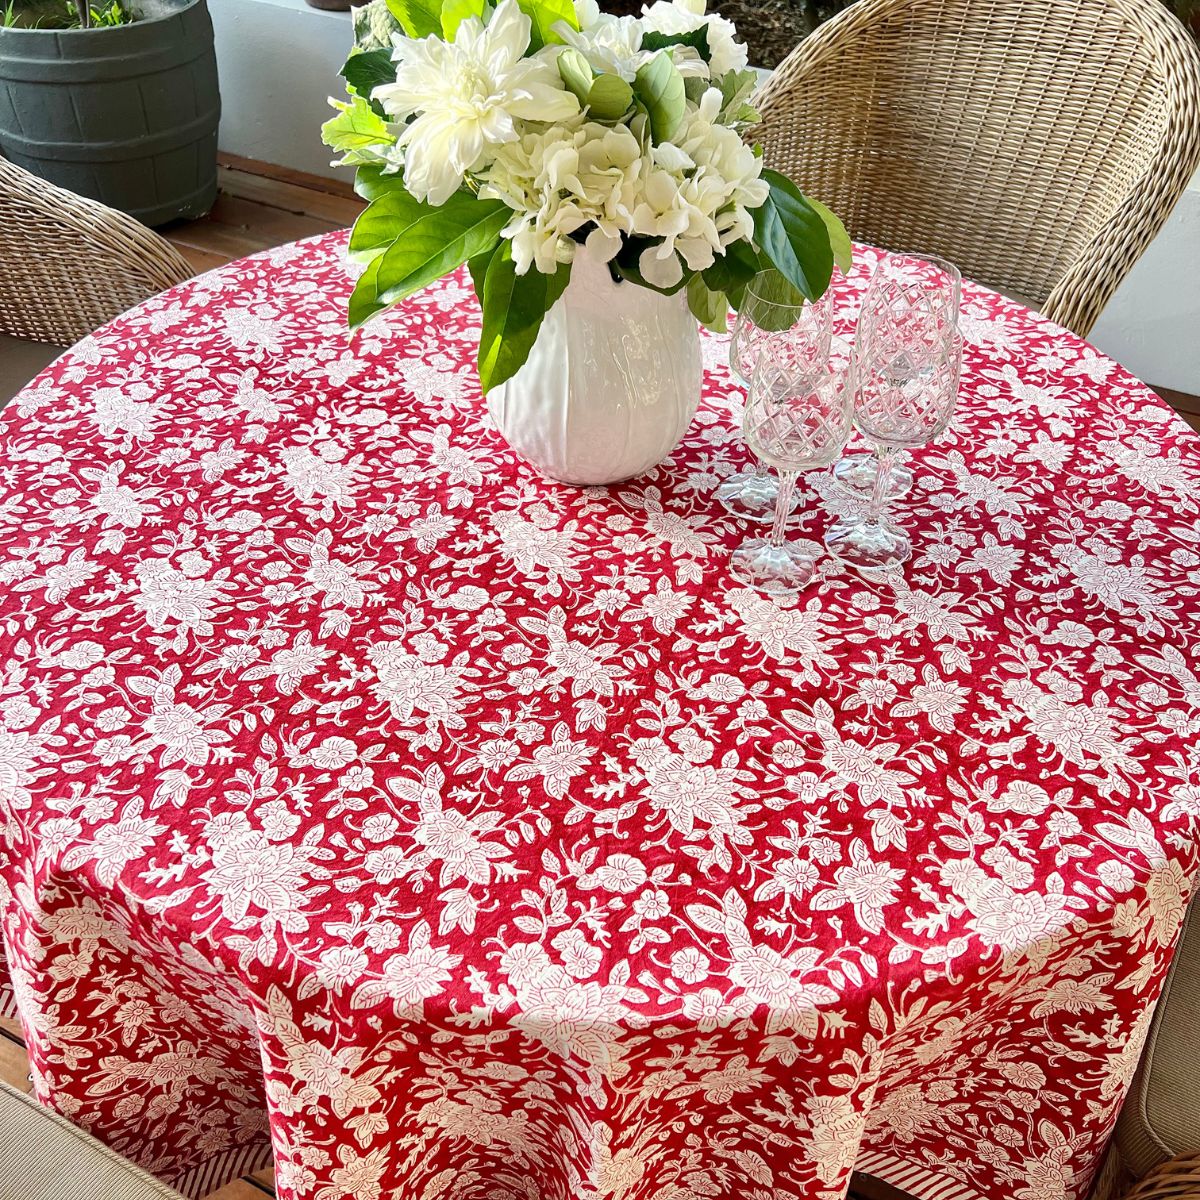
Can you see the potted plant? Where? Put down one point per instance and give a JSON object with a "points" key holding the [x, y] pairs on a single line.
{"points": [[113, 99], [593, 172]]}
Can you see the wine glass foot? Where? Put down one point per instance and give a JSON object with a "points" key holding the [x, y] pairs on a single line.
{"points": [[869, 545], [750, 495], [776, 570], [856, 474]]}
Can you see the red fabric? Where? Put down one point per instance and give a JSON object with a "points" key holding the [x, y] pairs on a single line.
{"points": [[520, 850]]}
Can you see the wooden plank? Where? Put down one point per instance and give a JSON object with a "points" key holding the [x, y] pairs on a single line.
{"points": [[265, 1179], [219, 241], [200, 260], [867, 1187], [11, 1027], [14, 1065], [341, 210], [240, 1189], [315, 183], [275, 226], [1181, 402]]}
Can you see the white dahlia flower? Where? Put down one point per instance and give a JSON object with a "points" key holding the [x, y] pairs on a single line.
{"points": [[466, 96]]}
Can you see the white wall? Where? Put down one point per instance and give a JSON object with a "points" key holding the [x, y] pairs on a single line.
{"points": [[279, 61], [1152, 324]]}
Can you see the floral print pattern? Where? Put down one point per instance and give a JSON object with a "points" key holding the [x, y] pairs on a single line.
{"points": [[471, 835]]}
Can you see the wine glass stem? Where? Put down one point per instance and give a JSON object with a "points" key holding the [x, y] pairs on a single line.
{"points": [[883, 476], [783, 506]]}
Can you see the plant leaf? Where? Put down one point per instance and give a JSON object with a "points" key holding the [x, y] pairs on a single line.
{"points": [[513, 308], [696, 38], [576, 73], [708, 307], [420, 243], [790, 232], [364, 300], [659, 86], [418, 18], [781, 301], [455, 12], [839, 239], [736, 89], [370, 182], [357, 132], [731, 271], [609, 98], [543, 16], [366, 70], [478, 267]]}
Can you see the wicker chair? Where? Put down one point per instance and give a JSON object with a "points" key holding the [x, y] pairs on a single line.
{"points": [[1041, 145], [45, 1157], [68, 264]]}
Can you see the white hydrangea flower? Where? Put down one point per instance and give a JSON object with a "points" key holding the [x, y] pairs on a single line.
{"points": [[697, 195], [562, 179], [683, 16], [467, 96], [613, 45]]}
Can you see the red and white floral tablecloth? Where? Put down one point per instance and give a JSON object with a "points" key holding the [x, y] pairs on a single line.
{"points": [[481, 836]]}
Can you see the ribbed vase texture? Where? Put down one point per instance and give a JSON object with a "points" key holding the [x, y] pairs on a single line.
{"points": [[611, 384]]}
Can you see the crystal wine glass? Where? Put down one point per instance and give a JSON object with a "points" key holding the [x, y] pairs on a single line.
{"points": [[772, 314], [797, 419], [905, 392], [906, 291]]}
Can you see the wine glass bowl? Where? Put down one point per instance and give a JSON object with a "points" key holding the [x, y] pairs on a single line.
{"points": [[772, 315], [904, 396], [911, 301], [797, 419]]}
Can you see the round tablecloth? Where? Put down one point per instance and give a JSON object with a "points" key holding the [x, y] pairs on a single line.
{"points": [[486, 838]]}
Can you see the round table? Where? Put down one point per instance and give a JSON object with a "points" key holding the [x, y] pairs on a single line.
{"points": [[477, 836]]}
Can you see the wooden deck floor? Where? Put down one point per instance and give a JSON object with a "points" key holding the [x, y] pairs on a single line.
{"points": [[260, 206]]}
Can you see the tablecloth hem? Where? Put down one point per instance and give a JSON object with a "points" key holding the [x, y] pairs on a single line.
{"points": [[225, 1167], [914, 1178]]}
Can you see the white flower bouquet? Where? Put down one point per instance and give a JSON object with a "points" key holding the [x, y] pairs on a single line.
{"points": [[507, 137]]}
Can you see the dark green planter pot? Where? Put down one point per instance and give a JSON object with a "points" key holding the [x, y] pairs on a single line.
{"points": [[127, 115]]}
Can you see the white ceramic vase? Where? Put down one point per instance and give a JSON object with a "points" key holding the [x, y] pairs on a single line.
{"points": [[611, 383]]}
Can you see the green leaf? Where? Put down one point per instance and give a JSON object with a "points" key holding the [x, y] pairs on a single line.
{"points": [[370, 181], [358, 133], [839, 239], [365, 71], [543, 16], [708, 307], [659, 86], [418, 18], [696, 38], [790, 232], [736, 89], [421, 243], [576, 73], [455, 12], [609, 98], [776, 302], [364, 300], [513, 308], [478, 267], [732, 271]]}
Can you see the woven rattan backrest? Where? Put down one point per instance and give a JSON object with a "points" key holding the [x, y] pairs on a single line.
{"points": [[1040, 144], [68, 264]]}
